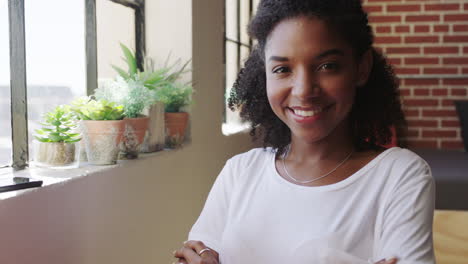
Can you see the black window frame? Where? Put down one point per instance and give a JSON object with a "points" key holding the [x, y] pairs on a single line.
{"points": [[18, 85]]}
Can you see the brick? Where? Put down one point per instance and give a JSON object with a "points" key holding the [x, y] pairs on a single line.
{"points": [[465, 50], [421, 91], [403, 50], [423, 18], [441, 28], [420, 102], [450, 123], [466, 7], [455, 145], [439, 113], [371, 1], [402, 29], [458, 81], [465, 71], [439, 92], [394, 61], [458, 92], [387, 40], [447, 103], [455, 39], [456, 17], [440, 71], [423, 123], [407, 71], [442, 7], [384, 19], [429, 144], [441, 50], [413, 133], [373, 9], [421, 61], [422, 39], [421, 81], [458, 60], [405, 92], [460, 28], [439, 133], [384, 29], [403, 8], [411, 112], [421, 29]]}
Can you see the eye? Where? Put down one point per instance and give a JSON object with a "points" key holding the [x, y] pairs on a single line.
{"points": [[281, 69], [328, 67]]}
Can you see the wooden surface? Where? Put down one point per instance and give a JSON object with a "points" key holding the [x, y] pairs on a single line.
{"points": [[451, 237]]}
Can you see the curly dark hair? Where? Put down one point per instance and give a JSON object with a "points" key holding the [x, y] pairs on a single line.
{"points": [[377, 108]]}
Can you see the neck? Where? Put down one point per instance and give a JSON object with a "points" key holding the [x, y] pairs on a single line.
{"points": [[335, 146]]}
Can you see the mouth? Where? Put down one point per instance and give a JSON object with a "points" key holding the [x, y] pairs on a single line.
{"points": [[306, 113]]}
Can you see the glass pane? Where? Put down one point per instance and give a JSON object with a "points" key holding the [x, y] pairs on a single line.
{"points": [[5, 112], [115, 24], [55, 55]]}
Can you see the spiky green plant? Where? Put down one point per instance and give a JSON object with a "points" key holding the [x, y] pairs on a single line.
{"points": [[58, 126], [174, 96]]}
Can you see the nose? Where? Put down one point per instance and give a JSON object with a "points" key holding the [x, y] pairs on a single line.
{"points": [[305, 85]]}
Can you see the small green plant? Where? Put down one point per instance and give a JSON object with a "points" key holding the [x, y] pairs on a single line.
{"points": [[89, 109], [174, 96], [58, 126]]}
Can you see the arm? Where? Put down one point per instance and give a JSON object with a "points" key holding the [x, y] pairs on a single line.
{"points": [[406, 225]]}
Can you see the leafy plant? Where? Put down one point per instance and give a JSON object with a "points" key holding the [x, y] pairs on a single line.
{"points": [[174, 96], [58, 126], [88, 109], [131, 94]]}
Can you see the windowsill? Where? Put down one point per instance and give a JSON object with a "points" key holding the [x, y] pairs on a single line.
{"points": [[61, 176]]}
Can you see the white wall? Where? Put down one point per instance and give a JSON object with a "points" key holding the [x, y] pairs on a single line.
{"points": [[143, 211]]}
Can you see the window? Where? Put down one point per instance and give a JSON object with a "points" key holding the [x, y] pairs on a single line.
{"points": [[5, 106], [237, 48], [52, 47]]}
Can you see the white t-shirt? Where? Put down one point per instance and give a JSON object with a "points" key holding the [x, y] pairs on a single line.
{"points": [[254, 216]]}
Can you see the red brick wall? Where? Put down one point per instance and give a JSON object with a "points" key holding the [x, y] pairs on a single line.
{"points": [[427, 42]]}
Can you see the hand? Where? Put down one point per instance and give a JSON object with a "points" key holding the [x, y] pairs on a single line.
{"points": [[188, 254], [387, 261]]}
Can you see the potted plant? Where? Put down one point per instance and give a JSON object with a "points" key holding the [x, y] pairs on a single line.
{"points": [[103, 128], [176, 97], [130, 89], [57, 142]]}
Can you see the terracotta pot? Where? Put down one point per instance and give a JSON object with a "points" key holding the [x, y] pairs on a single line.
{"points": [[176, 123], [155, 136], [102, 140], [135, 130]]}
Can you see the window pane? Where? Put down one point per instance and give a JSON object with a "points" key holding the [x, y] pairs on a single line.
{"points": [[55, 55], [115, 24], [5, 113]]}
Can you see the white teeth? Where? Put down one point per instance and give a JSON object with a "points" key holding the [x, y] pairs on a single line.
{"points": [[306, 113]]}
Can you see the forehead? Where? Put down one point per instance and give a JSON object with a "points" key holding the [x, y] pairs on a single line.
{"points": [[309, 35]]}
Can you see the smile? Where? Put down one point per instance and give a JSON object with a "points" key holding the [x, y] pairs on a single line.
{"points": [[306, 113]]}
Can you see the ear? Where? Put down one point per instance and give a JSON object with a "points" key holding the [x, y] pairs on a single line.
{"points": [[364, 68]]}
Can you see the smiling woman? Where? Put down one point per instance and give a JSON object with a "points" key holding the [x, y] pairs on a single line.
{"points": [[323, 189]]}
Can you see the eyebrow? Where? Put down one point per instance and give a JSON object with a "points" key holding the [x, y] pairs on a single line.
{"points": [[318, 57]]}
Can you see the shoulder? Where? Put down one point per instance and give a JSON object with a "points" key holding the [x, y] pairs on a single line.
{"points": [[405, 161], [406, 170], [253, 157]]}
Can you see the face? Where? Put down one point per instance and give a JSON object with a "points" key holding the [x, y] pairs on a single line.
{"points": [[312, 77]]}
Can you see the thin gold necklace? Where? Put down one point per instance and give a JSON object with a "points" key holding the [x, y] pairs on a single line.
{"points": [[316, 179]]}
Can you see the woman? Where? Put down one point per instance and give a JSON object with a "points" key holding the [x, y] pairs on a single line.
{"points": [[323, 190]]}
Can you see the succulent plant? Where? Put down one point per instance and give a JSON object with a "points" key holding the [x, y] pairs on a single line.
{"points": [[58, 126], [86, 108]]}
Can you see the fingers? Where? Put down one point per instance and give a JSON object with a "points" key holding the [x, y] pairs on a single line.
{"points": [[181, 261], [195, 245], [186, 253]]}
